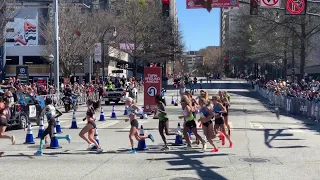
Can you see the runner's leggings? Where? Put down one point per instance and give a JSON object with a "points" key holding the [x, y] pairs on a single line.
{"points": [[50, 129]]}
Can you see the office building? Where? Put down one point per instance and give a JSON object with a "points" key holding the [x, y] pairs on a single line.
{"points": [[27, 46]]}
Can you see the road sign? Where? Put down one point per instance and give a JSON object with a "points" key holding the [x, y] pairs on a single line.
{"points": [[152, 86], [152, 91], [296, 7], [269, 3], [97, 52]]}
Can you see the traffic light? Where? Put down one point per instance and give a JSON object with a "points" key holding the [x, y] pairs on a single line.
{"points": [[254, 7], [166, 8]]}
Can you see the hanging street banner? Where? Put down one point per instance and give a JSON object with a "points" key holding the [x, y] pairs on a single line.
{"points": [[97, 52], [296, 7], [270, 3], [152, 87], [191, 4]]}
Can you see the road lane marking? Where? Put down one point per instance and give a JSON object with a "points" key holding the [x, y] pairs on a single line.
{"points": [[107, 124], [256, 126]]}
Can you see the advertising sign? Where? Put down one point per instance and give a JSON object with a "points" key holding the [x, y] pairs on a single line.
{"points": [[23, 31], [41, 80], [22, 73], [152, 87], [191, 4]]}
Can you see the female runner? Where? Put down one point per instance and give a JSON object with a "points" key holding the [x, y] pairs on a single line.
{"points": [[91, 126], [51, 113], [194, 108], [163, 121], [205, 117], [189, 124], [5, 114], [218, 109], [132, 108], [226, 104]]}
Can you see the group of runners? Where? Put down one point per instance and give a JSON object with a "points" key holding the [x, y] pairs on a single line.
{"points": [[208, 110]]}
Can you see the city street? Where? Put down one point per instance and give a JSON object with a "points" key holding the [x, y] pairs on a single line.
{"points": [[264, 147]]}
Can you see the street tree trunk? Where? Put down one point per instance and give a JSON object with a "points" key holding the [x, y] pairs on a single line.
{"points": [[302, 50]]}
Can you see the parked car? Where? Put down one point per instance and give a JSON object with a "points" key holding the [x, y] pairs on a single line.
{"points": [[26, 108]]}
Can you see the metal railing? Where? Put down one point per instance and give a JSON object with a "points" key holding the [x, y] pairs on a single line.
{"points": [[292, 105]]}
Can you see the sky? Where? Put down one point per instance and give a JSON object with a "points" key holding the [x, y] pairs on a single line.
{"points": [[199, 27]]}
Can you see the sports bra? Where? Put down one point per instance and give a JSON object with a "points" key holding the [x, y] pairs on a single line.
{"points": [[204, 111], [217, 109]]}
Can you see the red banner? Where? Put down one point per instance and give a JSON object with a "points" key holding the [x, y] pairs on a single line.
{"points": [[215, 4], [152, 86]]}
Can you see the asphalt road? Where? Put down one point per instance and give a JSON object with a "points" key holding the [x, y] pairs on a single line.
{"points": [[264, 147]]}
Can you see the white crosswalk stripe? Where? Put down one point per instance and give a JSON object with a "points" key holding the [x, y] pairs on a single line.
{"points": [[107, 124], [256, 126]]}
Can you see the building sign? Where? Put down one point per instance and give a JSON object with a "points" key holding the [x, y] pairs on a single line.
{"points": [[22, 32], [22, 73], [191, 4], [152, 87]]}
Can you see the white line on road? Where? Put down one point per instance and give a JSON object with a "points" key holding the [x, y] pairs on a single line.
{"points": [[107, 124], [256, 126]]}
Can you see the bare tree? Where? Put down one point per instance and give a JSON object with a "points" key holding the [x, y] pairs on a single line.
{"points": [[146, 35], [78, 32], [7, 12], [274, 33], [211, 60]]}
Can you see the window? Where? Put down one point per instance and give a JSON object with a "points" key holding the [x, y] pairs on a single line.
{"points": [[19, 98], [29, 99]]}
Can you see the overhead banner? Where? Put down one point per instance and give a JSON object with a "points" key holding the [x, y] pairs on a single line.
{"points": [[191, 4], [152, 87]]}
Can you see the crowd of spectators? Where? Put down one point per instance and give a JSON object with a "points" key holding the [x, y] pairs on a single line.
{"points": [[309, 90]]}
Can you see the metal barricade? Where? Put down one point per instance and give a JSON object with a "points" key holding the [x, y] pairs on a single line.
{"points": [[292, 105], [57, 98]]}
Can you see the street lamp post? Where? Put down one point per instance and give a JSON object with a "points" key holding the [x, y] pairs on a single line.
{"points": [[114, 34], [50, 61], [56, 45]]}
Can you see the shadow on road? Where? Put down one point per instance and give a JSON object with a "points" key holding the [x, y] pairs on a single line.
{"points": [[272, 134], [269, 136], [190, 158]]}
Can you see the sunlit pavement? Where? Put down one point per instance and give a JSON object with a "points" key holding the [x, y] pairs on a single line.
{"points": [[263, 148]]}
